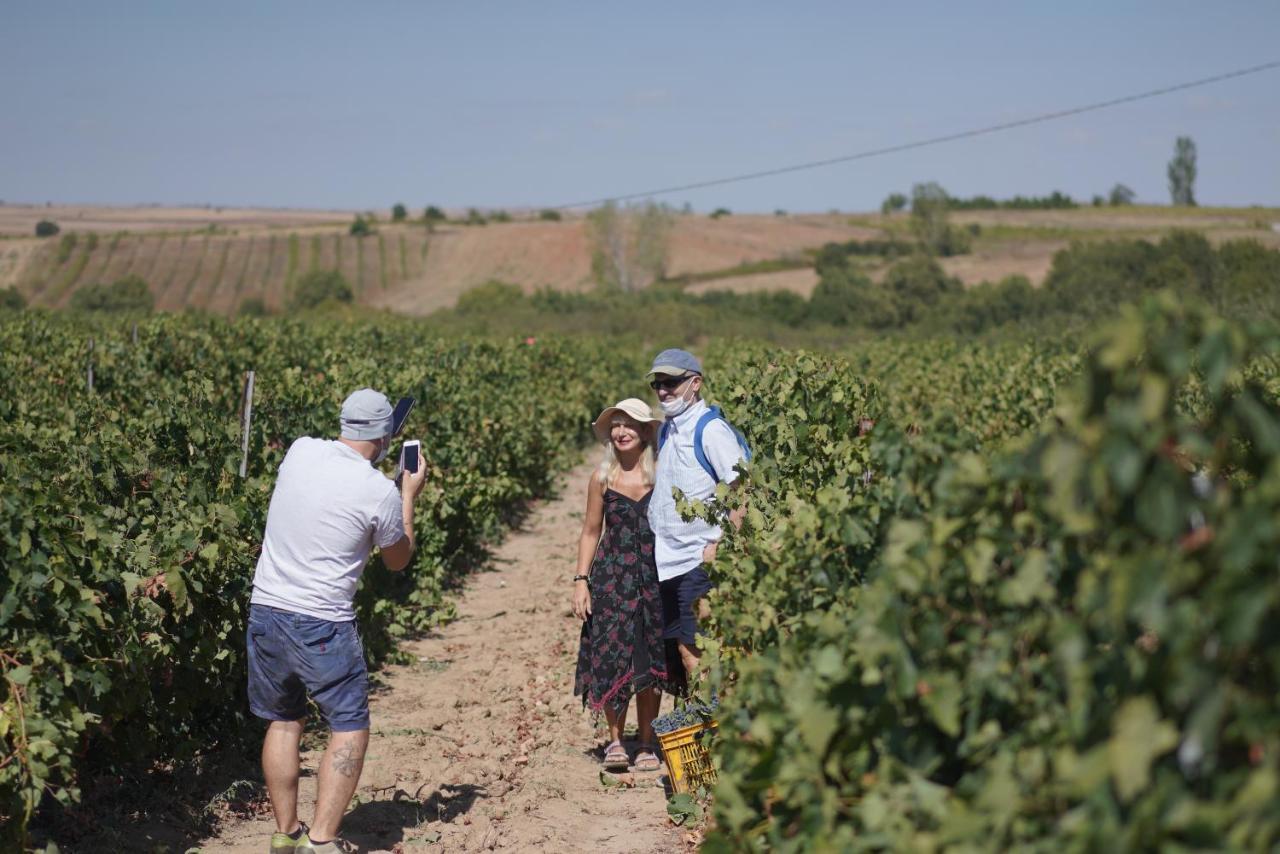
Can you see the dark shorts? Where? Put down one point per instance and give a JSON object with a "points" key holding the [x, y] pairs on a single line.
{"points": [[678, 596], [293, 655]]}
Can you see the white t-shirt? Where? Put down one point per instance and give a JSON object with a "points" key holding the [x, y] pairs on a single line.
{"points": [[329, 508], [678, 544]]}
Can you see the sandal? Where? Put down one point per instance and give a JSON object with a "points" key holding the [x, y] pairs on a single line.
{"points": [[647, 758], [615, 757]]}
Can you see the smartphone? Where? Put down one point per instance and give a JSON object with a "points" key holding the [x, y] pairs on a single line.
{"points": [[401, 414], [409, 456]]}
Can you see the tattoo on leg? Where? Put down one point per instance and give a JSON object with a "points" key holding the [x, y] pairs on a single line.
{"points": [[346, 761]]}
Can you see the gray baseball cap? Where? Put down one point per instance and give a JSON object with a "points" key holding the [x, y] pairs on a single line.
{"points": [[675, 363], [366, 414]]}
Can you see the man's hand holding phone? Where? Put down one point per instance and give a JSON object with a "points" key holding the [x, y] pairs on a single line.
{"points": [[413, 474]]}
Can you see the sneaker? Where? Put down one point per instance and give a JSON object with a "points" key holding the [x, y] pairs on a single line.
{"points": [[283, 843]]}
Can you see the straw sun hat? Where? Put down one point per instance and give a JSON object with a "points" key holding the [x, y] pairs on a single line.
{"points": [[633, 408]]}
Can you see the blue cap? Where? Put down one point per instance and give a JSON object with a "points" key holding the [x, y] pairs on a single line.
{"points": [[675, 363]]}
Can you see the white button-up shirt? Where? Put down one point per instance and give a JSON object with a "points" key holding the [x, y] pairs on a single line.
{"points": [[678, 544]]}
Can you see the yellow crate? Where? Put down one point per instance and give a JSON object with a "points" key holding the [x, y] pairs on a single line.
{"points": [[688, 760]]}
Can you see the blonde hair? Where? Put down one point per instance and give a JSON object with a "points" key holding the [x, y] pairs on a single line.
{"points": [[610, 468]]}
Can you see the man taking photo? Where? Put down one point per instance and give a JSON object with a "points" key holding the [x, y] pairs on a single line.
{"points": [[330, 507]]}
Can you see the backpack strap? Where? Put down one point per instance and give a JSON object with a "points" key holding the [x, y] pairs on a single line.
{"points": [[699, 453], [662, 433]]}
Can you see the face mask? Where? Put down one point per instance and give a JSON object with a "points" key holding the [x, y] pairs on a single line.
{"points": [[383, 449], [675, 406]]}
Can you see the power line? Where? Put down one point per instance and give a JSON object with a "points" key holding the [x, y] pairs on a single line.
{"points": [[937, 140]]}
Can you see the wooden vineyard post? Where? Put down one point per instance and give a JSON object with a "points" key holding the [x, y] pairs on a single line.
{"points": [[89, 368], [135, 333], [246, 418]]}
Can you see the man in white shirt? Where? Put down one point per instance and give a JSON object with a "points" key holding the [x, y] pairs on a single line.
{"points": [[683, 549], [330, 507]]}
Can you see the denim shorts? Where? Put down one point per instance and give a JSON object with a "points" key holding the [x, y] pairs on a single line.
{"points": [[294, 655], [678, 596]]}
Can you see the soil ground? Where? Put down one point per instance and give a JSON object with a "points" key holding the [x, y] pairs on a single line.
{"points": [[481, 745]]}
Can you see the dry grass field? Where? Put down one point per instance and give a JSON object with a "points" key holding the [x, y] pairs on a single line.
{"points": [[215, 258]]}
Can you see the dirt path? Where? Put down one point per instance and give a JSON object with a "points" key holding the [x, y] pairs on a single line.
{"points": [[481, 745]]}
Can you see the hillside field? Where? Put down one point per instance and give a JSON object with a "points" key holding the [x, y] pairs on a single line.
{"points": [[215, 258]]}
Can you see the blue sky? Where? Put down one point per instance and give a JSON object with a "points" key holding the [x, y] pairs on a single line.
{"points": [[356, 105]]}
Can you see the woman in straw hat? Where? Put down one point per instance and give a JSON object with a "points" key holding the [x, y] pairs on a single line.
{"points": [[616, 586]]}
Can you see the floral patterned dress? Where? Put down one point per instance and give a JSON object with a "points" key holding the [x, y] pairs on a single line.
{"points": [[622, 650]]}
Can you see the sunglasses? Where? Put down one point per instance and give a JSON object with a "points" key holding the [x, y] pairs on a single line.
{"points": [[668, 383]]}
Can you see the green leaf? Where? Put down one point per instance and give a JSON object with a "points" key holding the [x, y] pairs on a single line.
{"points": [[942, 701], [1138, 738], [177, 587], [683, 808]]}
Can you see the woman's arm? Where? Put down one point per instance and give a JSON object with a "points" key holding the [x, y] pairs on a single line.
{"points": [[592, 524]]}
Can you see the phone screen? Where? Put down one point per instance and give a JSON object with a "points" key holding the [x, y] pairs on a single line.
{"points": [[401, 414], [411, 458]]}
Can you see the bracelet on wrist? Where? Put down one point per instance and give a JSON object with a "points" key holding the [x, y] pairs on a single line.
{"points": [[582, 578]]}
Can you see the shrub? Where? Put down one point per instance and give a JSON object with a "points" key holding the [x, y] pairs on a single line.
{"points": [[11, 299], [492, 293], [319, 287], [433, 214], [991, 305], [549, 215], [398, 213], [917, 284], [129, 294], [361, 227], [500, 216], [46, 228], [719, 212], [846, 297], [474, 217], [253, 307], [66, 246]]}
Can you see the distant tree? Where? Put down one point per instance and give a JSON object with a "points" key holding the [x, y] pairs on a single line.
{"points": [[929, 221], [549, 215], [686, 209], [1182, 172], [929, 213], [361, 227], [47, 228], [399, 213], [433, 214], [719, 212], [779, 212], [893, 203], [1121, 195], [629, 245], [1098, 201], [474, 217], [318, 287], [500, 216], [11, 299], [128, 294]]}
